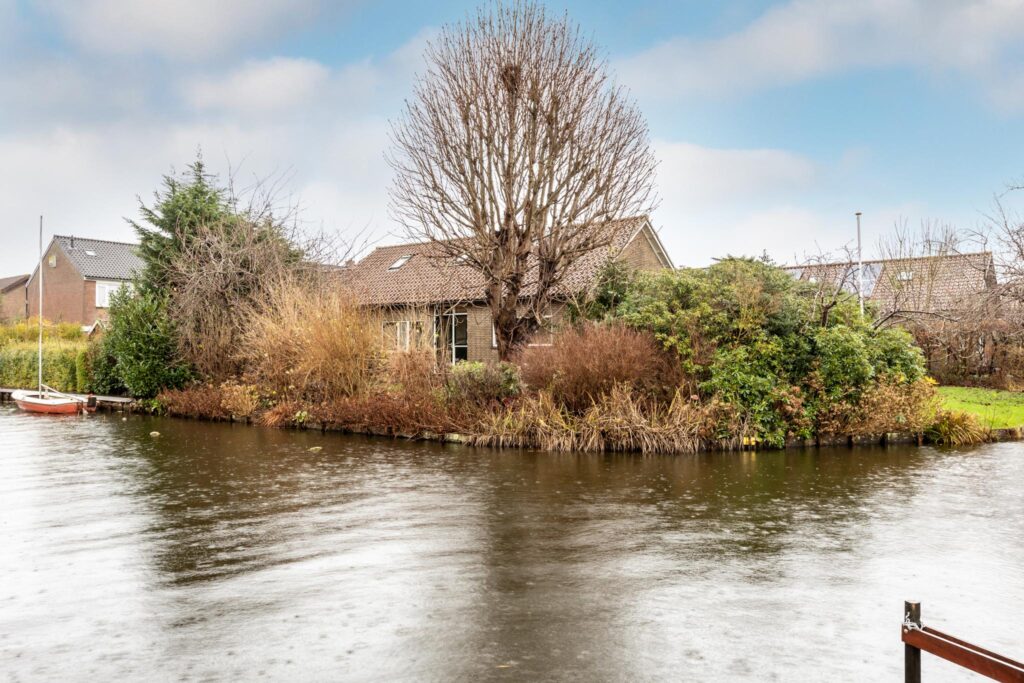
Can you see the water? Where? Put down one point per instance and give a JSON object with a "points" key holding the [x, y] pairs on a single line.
{"points": [[218, 552]]}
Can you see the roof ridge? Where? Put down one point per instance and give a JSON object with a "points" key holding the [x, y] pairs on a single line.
{"points": [[420, 243], [891, 259], [95, 239]]}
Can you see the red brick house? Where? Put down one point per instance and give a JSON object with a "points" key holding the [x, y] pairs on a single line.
{"points": [[12, 298], [429, 300], [79, 276]]}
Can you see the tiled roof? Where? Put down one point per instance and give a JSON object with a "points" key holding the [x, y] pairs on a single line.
{"points": [[12, 282], [429, 276], [101, 259], [927, 283]]}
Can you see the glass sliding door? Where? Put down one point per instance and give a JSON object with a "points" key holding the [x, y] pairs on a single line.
{"points": [[452, 330]]}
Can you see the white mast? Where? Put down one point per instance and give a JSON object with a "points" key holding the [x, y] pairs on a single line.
{"points": [[39, 355]]}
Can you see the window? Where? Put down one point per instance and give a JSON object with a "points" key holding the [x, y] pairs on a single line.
{"points": [[90, 252], [400, 262], [396, 335], [52, 261], [104, 290], [905, 276], [452, 331]]}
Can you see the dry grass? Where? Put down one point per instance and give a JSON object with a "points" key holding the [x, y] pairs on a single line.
{"points": [[312, 342], [201, 401], [620, 420], [585, 362], [239, 400]]}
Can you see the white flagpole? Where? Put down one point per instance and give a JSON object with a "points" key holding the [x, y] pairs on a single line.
{"points": [[40, 353]]}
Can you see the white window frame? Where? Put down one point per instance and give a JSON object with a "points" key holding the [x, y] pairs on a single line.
{"points": [[402, 260], [402, 336], [104, 290]]}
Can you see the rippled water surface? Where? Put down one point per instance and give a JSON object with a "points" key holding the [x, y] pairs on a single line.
{"points": [[218, 552]]}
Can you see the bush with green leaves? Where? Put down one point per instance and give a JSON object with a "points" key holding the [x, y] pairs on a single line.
{"points": [[478, 383], [746, 333], [141, 341]]}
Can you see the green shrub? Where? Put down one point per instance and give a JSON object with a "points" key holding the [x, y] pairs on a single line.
{"points": [[83, 371], [104, 378], [844, 360], [18, 365], [481, 383], [894, 353], [141, 341]]}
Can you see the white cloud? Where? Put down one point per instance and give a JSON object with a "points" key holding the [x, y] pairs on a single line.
{"points": [[694, 176], [270, 84], [806, 39], [191, 29], [84, 171]]}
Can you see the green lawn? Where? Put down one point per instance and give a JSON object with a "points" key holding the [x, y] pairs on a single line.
{"points": [[995, 409]]}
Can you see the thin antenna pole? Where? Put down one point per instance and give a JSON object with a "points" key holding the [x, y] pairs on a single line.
{"points": [[860, 269], [39, 354]]}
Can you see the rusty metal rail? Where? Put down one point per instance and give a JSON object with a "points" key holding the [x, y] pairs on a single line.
{"points": [[918, 638]]}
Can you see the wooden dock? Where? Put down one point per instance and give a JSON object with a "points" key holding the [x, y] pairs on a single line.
{"points": [[110, 403]]}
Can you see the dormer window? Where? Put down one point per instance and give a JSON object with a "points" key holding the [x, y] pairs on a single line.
{"points": [[400, 262]]}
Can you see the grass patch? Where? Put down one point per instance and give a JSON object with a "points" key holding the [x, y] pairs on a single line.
{"points": [[995, 409]]}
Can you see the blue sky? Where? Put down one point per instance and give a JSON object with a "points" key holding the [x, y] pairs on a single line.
{"points": [[773, 121]]}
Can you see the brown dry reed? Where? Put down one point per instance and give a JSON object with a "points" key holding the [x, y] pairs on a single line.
{"points": [[311, 341]]}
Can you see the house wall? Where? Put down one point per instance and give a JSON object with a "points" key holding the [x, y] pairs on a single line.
{"points": [[12, 305], [640, 253], [67, 297]]}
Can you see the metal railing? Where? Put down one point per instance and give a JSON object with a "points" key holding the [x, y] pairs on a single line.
{"points": [[917, 638]]}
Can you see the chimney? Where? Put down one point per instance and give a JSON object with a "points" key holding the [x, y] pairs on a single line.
{"points": [[72, 241]]}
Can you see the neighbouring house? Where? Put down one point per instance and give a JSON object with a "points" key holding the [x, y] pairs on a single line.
{"points": [[913, 287], [79, 277], [12, 298], [428, 300]]}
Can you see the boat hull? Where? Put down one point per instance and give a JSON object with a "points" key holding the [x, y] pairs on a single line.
{"points": [[49, 405]]}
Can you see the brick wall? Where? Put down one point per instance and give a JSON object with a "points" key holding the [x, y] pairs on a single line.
{"points": [[640, 254], [12, 305], [63, 290]]}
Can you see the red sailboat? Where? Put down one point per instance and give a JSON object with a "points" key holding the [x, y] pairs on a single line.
{"points": [[45, 399]]}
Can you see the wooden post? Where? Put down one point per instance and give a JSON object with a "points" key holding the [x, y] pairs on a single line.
{"points": [[911, 654]]}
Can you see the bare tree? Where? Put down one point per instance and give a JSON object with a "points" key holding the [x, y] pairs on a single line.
{"points": [[515, 155]]}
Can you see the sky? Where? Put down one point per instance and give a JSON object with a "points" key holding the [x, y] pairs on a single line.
{"points": [[773, 122]]}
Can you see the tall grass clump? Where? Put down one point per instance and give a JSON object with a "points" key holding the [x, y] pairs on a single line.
{"points": [[584, 362], [311, 341], [957, 428]]}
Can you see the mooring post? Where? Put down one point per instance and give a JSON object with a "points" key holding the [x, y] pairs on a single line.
{"points": [[911, 654]]}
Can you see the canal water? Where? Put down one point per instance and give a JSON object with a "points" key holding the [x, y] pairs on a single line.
{"points": [[219, 552]]}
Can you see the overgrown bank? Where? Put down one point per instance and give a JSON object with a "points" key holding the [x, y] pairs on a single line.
{"points": [[233, 319]]}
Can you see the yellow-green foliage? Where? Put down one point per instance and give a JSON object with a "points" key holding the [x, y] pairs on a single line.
{"points": [[957, 428], [18, 364], [28, 330]]}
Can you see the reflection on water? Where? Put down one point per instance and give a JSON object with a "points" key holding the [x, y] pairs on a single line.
{"points": [[220, 552]]}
